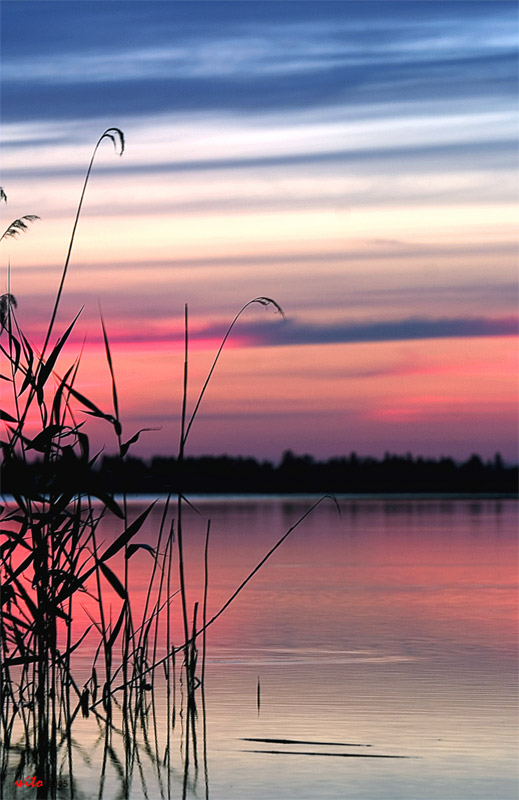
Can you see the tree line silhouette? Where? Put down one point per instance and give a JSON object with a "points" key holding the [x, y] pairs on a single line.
{"points": [[293, 474]]}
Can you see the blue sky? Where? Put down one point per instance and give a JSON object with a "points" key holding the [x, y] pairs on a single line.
{"points": [[356, 161], [141, 57]]}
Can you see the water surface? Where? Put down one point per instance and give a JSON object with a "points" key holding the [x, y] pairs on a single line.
{"points": [[387, 631]]}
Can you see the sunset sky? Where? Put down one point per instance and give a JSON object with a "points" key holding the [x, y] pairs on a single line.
{"points": [[355, 161]]}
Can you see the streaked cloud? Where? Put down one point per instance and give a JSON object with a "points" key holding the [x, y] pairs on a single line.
{"points": [[292, 332], [139, 328], [270, 49], [286, 57]]}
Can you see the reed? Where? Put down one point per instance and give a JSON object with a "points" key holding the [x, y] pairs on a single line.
{"points": [[53, 557]]}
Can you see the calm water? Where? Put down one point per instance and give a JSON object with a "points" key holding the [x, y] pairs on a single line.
{"points": [[388, 631]]}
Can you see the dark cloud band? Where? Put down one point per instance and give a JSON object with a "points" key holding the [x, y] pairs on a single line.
{"points": [[293, 332]]}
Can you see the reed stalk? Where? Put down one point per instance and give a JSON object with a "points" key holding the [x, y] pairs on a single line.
{"points": [[180, 545], [204, 607]]}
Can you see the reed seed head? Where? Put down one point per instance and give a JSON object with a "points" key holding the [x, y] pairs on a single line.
{"points": [[117, 137], [17, 226], [6, 301], [268, 301]]}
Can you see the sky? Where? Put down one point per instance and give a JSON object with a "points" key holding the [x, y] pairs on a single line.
{"points": [[354, 161]]}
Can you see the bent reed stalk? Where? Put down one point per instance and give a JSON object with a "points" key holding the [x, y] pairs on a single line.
{"points": [[53, 559]]}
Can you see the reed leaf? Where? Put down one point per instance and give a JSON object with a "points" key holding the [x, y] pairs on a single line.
{"points": [[31, 606], [108, 501], [132, 548], [29, 377], [112, 579], [75, 646], [72, 583], [16, 661], [7, 417], [127, 534], [14, 345], [47, 367], [44, 439], [56, 404], [117, 627], [94, 411], [126, 445], [111, 368]]}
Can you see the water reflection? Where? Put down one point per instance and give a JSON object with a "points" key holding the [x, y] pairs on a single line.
{"points": [[161, 751]]}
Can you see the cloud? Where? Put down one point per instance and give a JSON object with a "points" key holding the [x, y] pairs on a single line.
{"points": [[272, 331], [491, 153], [268, 51], [400, 140], [343, 52], [293, 332]]}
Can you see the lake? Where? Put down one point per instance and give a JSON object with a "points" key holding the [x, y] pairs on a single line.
{"points": [[373, 656]]}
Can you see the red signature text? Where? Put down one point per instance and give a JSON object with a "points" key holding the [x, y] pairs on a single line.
{"points": [[34, 782], [30, 782]]}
